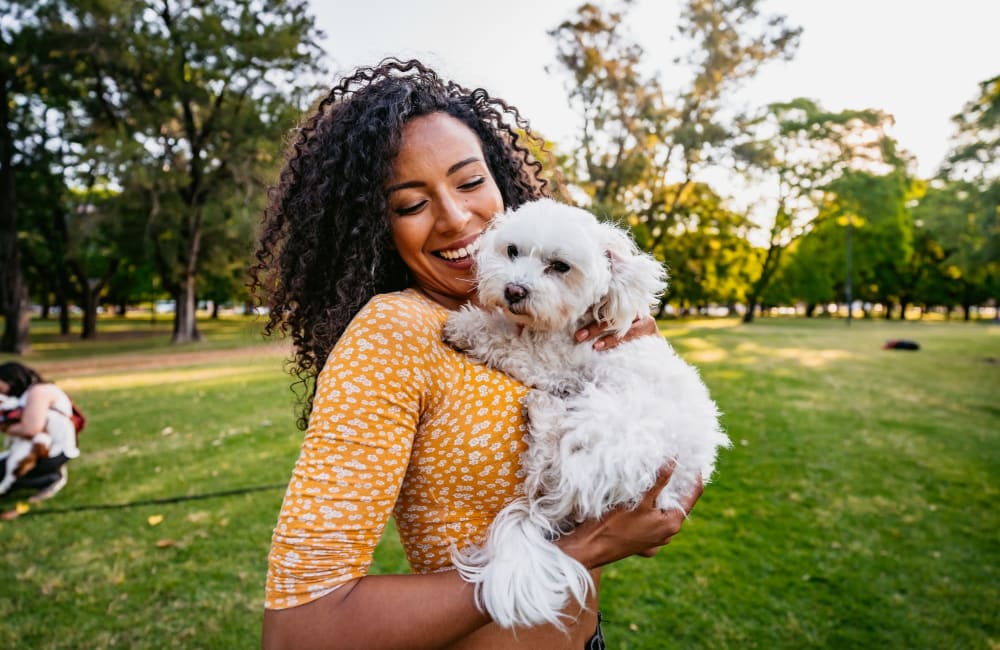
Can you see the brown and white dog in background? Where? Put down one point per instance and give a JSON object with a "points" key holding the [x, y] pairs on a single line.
{"points": [[21, 454]]}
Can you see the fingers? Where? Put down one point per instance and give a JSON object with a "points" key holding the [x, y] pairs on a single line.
{"points": [[662, 478], [688, 501], [588, 332], [643, 325]]}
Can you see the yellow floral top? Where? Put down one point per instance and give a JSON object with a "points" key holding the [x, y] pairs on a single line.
{"points": [[401, 424]]}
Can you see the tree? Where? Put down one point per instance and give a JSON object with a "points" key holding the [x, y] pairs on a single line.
{"points": [[635, 138], [877, 207], [804, 149], [972, 177], [708, 253], [24, 81], [193, 99], [960, 230]]}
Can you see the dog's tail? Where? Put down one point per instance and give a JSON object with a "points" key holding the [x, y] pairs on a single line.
{"points": [[522, 579]]}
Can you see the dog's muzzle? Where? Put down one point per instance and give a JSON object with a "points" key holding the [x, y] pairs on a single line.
{"points": [[514, 293]]}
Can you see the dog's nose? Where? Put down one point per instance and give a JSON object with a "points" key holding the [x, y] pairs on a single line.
{"points": [[514, 293]]}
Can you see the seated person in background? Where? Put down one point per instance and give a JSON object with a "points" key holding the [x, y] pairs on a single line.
{"points": [[46, 409]]}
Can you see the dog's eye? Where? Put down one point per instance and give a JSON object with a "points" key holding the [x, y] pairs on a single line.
{"points": [[512, 251], [559, 266]]}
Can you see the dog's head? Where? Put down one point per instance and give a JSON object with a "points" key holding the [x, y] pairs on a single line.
{"points": [[551, 266]]}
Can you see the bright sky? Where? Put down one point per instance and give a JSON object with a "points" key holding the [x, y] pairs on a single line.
{"points": [[920, 60]]}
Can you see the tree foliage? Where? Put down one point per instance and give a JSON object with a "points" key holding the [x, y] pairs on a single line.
{"points": [[810, 155], [641, 147], [173, 112]]}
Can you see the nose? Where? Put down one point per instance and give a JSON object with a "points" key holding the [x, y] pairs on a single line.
{"points": [[515, 293], [452, 215]]}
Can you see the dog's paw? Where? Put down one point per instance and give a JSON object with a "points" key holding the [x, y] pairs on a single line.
{"points": [[462, 327]]}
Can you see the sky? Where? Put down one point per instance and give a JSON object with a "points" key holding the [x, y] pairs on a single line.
{"points": [[919, 60]]}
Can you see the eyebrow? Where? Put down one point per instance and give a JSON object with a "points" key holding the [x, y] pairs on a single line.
{"points": [[451, 170]]}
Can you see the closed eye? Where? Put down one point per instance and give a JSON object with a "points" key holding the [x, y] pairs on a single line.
{"points": [[473, 184], [558, 266], [410, 209]]}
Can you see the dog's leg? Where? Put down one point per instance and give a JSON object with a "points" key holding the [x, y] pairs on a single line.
{"points": [[19, 450], [469, 329]]}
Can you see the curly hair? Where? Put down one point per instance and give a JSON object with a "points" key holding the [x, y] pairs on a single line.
{"points": [[325, 242]]}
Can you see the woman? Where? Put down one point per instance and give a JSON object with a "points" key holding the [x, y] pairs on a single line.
{"points": [[46, 408], [366, 246]]}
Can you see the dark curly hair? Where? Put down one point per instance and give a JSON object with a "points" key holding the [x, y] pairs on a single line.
{"points": [[19, 377], [325, 242]]}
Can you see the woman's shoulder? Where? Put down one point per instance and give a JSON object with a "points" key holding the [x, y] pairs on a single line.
{"points": [[44, 391], [401, 327], [407, 310]]}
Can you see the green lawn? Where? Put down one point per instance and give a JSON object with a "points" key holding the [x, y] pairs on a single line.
{"points": [[857, 509]]}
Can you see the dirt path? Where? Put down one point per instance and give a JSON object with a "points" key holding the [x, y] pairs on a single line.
{"points": [[148, 360]]}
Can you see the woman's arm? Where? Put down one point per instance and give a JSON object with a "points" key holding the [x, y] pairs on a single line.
{"points": [[434, 610], [40, 398], [384, 611], [345, 484]]}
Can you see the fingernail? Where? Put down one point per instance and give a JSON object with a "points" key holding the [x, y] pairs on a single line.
{"points": [[582, 335], [599, 345]]}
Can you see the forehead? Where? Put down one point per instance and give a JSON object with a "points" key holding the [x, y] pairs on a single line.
{"points": [[548, 234], [434, 142]]}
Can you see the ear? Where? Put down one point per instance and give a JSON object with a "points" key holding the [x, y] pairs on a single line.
{"points": [[637, 280]]}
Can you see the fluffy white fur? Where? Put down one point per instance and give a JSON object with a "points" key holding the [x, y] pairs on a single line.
{"points": [[601, 424], [21, 453]]}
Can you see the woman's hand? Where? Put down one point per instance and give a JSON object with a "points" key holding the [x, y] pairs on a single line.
{"points": [[622, 532], [643, 325]]}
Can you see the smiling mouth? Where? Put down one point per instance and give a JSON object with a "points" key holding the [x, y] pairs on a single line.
{"points": [[459, 254]]}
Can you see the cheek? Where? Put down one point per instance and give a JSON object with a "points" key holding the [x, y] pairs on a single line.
{"points": [[491, 202], [408, 236], [492, 277], [581, 292]]}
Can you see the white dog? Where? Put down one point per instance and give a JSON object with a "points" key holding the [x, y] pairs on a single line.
{"points": [[21, 454], [602, 424]]}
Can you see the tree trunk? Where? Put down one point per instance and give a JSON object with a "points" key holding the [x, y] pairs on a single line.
{"points": [[89, 329], [90, 292], [17, 320], [64, 325], [185, 321], [13, 287]]}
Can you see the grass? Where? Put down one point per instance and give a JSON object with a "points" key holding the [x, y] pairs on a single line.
{"points": [[857, 509]]}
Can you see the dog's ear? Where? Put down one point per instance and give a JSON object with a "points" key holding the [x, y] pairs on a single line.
{"points": [[637, 280]]}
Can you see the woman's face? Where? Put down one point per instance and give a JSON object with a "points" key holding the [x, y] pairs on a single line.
{"points": [[441, 197]]}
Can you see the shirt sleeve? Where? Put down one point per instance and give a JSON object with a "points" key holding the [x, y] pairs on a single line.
{"points": [[356, 450]]}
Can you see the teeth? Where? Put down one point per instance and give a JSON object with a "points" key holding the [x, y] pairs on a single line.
{"points": [[460, 253]]}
